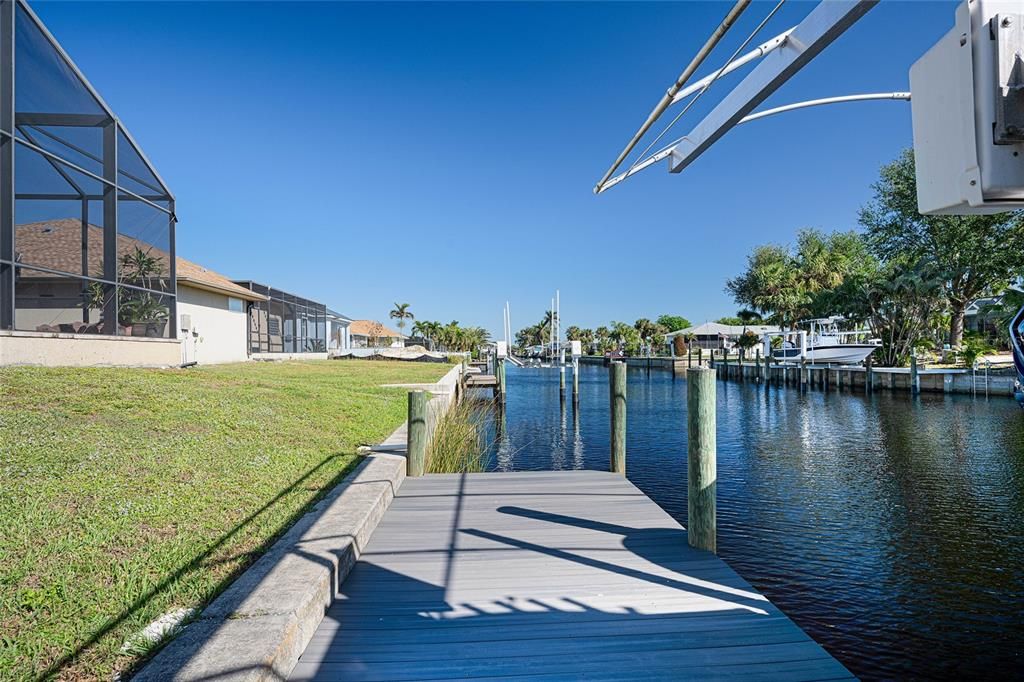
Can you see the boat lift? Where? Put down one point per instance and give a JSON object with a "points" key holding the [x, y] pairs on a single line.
{"points": [[968, 87], [823, 344]]}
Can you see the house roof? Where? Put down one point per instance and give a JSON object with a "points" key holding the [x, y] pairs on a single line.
{"points": [[365, 327], [57, 244], [338, 316], [716, 329], [979, 304]]}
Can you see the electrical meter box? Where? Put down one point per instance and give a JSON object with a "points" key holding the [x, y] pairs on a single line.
{"points": [[577, 348], [501, 349], [967, 103]]}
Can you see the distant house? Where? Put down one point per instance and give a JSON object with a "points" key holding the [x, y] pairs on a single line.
{"points": [[213, 315], [338, 331], [712, 335], [373, 334], [284, 325], [982, 315]]}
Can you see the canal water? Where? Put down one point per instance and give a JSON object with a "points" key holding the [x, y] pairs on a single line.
{"points": [[890, 529]]}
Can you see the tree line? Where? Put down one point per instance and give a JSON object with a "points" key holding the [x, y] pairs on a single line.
{"points": [[439, 336], [452, 336], [909, 277], [630, 338]]}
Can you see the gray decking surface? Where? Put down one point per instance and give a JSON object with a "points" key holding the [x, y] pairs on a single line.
{"points": [[548, 575]]}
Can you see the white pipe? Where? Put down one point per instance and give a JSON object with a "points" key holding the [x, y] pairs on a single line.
{"points": [[663, 154], [756, 53], [903, 96]]}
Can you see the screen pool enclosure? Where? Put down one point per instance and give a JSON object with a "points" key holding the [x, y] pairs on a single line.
{"points": [[86, 223]]}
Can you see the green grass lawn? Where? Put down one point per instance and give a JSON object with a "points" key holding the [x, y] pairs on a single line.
{"points": [[126, 493]]}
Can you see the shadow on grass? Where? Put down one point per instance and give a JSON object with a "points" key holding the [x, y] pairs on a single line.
{"points": [[199, 561]]}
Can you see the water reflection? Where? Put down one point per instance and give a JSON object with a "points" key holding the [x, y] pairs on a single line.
{"points": [[889, 528]]}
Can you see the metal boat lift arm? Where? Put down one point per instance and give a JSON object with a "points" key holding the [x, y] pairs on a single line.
{"points": [[829, 20]]}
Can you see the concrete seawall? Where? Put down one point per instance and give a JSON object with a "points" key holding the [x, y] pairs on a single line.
{"points": [[997, 382]]}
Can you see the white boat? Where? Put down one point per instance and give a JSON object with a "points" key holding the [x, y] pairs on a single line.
{"points": [[825, 344]]}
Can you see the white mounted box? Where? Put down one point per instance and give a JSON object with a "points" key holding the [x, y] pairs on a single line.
{"points": [[967, 105], [501, 349], [576, 348]]}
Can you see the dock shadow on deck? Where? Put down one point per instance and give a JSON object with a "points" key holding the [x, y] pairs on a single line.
{"points": [[548, 575]]}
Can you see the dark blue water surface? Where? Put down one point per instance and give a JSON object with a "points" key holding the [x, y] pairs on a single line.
{"points": [[891, 529]]}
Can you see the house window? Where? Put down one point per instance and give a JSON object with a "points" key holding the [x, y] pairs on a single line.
{"points": [[234, 304]]}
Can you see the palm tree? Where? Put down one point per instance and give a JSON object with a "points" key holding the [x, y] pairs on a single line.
{"points": [[427, 330], [401, 313], [745, 342], [650, 332], [749, 316]]}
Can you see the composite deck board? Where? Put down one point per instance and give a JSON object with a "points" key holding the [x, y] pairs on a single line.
{"points": [[548, 575]]}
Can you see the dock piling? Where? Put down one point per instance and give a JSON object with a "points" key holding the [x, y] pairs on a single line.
{"points": [[575, 382], [617, 395], [915, 381], [416, 437], [869, 376], [561, 382], [702, 474]]}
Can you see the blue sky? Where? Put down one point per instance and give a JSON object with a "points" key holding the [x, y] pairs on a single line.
{"points": [[444, 154]]}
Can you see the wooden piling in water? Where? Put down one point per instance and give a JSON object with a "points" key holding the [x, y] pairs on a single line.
{"points": [[561, 382], [701, 526], [416, 436], [915, 385], [575, 382], [757, 366], [617, 398], [869, 376]]}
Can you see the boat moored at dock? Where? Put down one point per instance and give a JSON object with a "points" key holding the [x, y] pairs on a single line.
{"points": [[823, 343]]}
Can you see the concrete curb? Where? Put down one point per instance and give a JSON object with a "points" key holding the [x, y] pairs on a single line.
{"points": [[258, 627]]}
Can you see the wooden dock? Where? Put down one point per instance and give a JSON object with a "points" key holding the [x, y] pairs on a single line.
{"points": [[548, 575], [480, 381]]}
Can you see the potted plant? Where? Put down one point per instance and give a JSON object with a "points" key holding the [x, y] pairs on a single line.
{"points": [[144, 313]]}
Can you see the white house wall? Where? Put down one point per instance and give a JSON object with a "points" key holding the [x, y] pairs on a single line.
{"points": [[339, 338], [222, 331]]}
